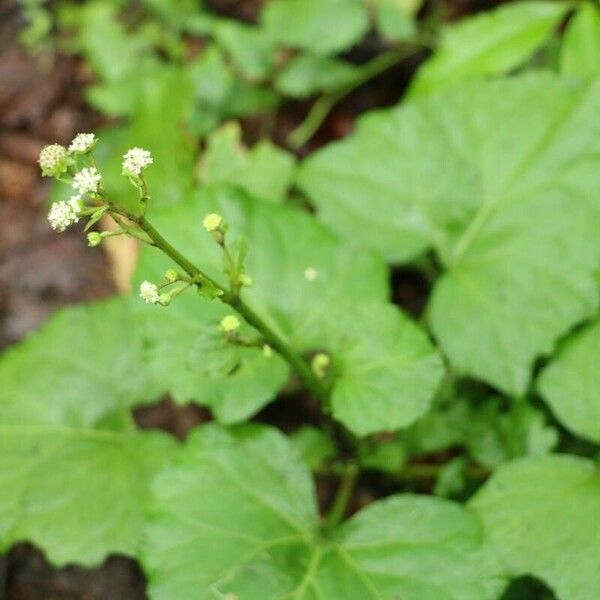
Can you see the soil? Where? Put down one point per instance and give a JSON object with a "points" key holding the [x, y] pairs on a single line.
{"points": [[41, 102]]}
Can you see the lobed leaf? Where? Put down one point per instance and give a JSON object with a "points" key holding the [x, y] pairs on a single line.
{"points": [[73, 478], [238, 515], [511, 211], [538, 511]]}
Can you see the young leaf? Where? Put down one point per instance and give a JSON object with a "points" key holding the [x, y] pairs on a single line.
{"points": [[309, 74], [490, 43], [570, 384], [512, 212], [238, 516], [72, 480], [265, 171], [536, 512], [321, 26], [580, 53]]}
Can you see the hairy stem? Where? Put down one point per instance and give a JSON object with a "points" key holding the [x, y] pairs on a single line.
{"points": [[295, 361]]}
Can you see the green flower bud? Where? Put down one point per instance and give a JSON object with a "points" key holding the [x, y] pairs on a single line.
{"points": [[94, 239], [164, 299], [171, 275], [319, 365]]}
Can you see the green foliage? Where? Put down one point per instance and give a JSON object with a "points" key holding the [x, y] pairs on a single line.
{"points": [[74, 476], [320, 26], [538, 511], [265, 171], [571, 384], [519, 255], [249, 495], [482, 183], [489, 44], [580, 54]]}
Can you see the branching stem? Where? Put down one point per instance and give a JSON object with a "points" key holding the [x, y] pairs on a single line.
{"points": [[279, 345]]}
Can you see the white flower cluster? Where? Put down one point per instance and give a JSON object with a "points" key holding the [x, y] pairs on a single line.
{"points": [[135, 160], [149, 292], [51, 157], [63, 214], [87, 180], [83, 142]]}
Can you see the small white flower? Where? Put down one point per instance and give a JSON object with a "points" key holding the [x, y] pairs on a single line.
{"points": [[310, 274], [212, 222], [229, 323], [51, 158], [149, 293], [87, 180], [82, 142], [63, 214], [135, 160]]}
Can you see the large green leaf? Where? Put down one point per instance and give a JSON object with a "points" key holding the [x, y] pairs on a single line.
{"points": [[540, 517], [321, 26], [511, 211], [570, 384], [490, 43], [580, 53], [79, 493], [237, 515], [385, 368], [73, 477], [79, 368]]}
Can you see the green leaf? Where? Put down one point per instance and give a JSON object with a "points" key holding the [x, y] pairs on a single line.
{"points": [[536, 512], [79, 493], [309, 74], [321, 26], [386, 369], [234, 382], [516, 230], [77, 369], [73, 478], [283, 243], [491, 43], [570, 384], [395, 19], [265, 171], [162, 104], [580, 53], [220, 95], [250, 49], [314, 446], [238, 515], [494, 436]]}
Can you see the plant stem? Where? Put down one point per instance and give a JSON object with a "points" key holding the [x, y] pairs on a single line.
{"points": [[340, 504], [296, 362], [323, 105]]}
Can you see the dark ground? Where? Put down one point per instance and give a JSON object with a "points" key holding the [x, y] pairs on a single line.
{"points": [[42, 102]]}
